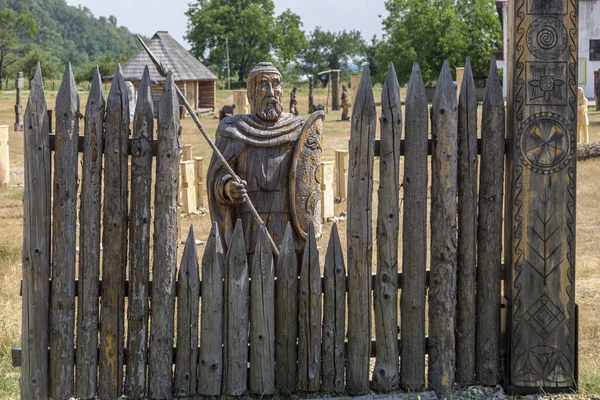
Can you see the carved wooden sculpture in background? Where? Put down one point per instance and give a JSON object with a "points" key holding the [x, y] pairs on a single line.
{"points": [[345, 104], [582, 117], [293, 103], [276, 156], [311, 99]]}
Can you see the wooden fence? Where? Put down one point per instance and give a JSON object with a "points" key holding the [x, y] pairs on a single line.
{"points": [[295, 324]]}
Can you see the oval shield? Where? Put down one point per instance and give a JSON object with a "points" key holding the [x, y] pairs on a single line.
{"points": [[305, 185]]}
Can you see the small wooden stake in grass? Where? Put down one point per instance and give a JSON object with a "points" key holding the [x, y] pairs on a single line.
{"points": [[442, 288], [414, 235], [385, 292]]}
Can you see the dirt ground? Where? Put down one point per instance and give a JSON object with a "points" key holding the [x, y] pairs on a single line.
{"points": [[336, 135]]}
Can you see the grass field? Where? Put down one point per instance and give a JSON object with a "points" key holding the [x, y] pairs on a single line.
{"points": [[336, 135]]}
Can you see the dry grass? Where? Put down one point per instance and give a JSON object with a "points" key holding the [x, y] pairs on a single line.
{"points": [[336, 134]]}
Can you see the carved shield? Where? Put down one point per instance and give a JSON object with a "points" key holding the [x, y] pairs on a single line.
{"points": [[305, 185]]}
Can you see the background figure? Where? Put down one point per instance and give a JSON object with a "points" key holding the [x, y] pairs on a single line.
{"points": [[345, 104], [293, 102], [582, 117], [311, 100]]}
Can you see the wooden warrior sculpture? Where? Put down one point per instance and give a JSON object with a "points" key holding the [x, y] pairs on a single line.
{"points": [[277, 156]]}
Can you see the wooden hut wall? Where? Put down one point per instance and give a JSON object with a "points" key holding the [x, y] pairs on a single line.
{"points": [[207, 97]]}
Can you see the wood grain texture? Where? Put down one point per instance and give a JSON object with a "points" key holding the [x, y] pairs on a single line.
{"points": [[64, 226], [114, 241], [334, 316], [286, 314], [139, 241], [210, 368], [309, 317], [187, 320], [385, 291], [489, 237], [160, 372], [467, 230], [235, 330], [36, 245], [414, 235], [360, 236], [262, 317], [89, 243], [442, 287]]}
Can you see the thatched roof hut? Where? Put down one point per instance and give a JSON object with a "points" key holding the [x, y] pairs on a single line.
{"points": [[196, 82]]}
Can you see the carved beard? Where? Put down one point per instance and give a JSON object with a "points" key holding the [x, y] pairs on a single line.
{"points": [[270, 109]]}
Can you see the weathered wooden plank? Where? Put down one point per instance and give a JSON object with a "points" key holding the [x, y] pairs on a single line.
{"points": [[309, 317], [64, 225], [467, 230], [235, 330], [489, 232], [360, 235], [286, 314], [334, 316], [187, 320], [36, 245], [442, 288], [385, 291], [89, 243], [262, 317], [139, 240], [414, 236], [114, 240], [210, 368], [160, 373]]}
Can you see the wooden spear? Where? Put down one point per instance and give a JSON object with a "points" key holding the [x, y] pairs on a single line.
{"points": [[163, 72]]}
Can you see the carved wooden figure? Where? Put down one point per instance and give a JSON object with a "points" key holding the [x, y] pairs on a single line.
{"points": [[293, 103], [277, 156], [582, 117], [311, 99], [345, 104]]}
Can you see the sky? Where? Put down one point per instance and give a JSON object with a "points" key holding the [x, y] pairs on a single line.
{"points": [[148, 16]]}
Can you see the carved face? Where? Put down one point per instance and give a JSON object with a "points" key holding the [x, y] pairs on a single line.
{"points": [[266, 99]]}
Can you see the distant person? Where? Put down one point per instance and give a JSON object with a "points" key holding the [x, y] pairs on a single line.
{"points": [[293, 103], [345, 104]]}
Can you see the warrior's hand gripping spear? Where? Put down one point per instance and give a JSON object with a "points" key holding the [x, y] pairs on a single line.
{"points": [[163, 72]]}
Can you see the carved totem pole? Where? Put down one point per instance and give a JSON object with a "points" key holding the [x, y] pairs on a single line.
{"points": [[277, 156], [540, 198]]}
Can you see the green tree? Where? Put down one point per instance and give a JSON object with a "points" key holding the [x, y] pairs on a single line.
{"points": [[330, 50], [291, 40], [50, 65], [430, 32], [249, 26], [15, 30]]}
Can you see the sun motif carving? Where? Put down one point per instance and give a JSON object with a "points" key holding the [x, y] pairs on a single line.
{"points": [[545, 143], [547, 82]]}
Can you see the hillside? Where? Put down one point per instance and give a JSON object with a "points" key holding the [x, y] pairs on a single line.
{"points": [[75, 34]]}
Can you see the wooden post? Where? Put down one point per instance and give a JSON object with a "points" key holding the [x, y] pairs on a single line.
{"points": [[262, 315], [341, 174], [199, 175], [36, 246], [540, 200], [385, 291], [19, 85], [114, 240], [210, 368], [597, 89], [460, 73], [414, 235], [160, 372], [4, 156], [467, 230], [187, 154], [489, 236], [240, 100], [89, 242], [187, 320], [286, 314], [139, 240], [360, 236], [335, 89], [354, 81], [334, 316], [327, 196], [188, 190], [442, 286]]}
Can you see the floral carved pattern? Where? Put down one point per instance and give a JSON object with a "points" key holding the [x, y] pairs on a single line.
{"points": [[547, 82]]}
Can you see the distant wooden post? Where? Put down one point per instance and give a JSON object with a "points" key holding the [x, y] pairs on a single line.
{"points": [[597, 89], [19, 85], [335, 89], [188, 190], [460, 72], [187, 153], [540, 205], [327, 197], [199, 175], [240, 100], [4, 156], [354, 81], [341, 174]]}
